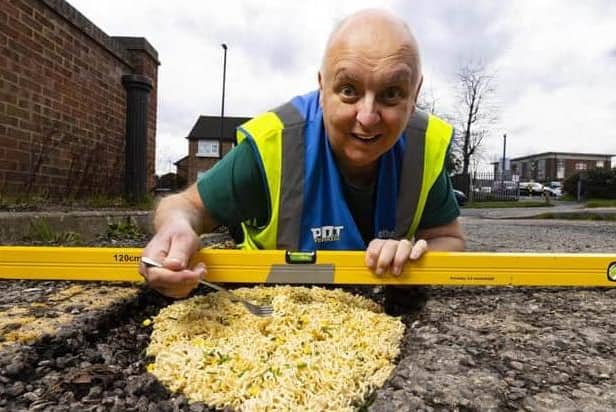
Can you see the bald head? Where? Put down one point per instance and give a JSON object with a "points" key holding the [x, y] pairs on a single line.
{"points": [[368, 83], [375, 33]]}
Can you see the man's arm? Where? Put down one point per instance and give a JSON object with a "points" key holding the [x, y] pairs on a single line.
{"points": [[229, 193], [185, 206], [448, 237]]}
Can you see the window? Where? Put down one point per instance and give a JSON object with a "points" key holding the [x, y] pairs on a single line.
{"points": [[208, 148], [524, 172], [580, 166], [600, 163], [541, 169], [560, 169]]}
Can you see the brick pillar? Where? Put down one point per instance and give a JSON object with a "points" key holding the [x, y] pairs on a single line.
{"points": [[135, 179], [144, 59]]}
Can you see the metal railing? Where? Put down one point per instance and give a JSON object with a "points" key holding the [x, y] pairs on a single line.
{"points": [[487, 186]]}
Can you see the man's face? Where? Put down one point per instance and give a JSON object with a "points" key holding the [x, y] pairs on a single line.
{"points": [[367, 97]]}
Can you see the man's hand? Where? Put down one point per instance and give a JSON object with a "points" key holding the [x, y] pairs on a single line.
{"points": [[178, 219], [173, 246], [383, 255], [389, 255]]}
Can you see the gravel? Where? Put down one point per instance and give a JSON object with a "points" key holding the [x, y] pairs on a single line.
{"points": [[467, 348]]}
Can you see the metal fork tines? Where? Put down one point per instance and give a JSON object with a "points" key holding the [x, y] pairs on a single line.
{"points": [[252, 308]]}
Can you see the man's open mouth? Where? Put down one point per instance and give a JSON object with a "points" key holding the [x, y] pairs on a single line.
{"points": [[366, 138]]}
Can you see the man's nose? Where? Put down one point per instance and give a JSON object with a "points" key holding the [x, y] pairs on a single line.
{"points": [[367, 114]]}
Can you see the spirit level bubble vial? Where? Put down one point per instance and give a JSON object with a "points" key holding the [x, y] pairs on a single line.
{"points": [[611, 272]]}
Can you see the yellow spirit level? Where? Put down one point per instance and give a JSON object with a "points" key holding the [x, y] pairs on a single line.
{"points": [[323, 267]]}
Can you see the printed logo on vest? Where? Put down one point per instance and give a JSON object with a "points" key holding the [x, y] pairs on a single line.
{"points": [[326, 233], [385, 234]]}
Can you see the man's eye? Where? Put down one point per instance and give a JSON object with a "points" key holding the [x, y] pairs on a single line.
{"points": [[348, 91], [392, 93]]}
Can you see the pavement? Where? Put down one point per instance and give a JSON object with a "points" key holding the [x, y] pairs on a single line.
{"points": [[24, 225], [560, 209]]}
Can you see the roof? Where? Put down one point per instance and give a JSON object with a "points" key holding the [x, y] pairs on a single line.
{"points": [[569, 154], [208, 127], [182, 160]]}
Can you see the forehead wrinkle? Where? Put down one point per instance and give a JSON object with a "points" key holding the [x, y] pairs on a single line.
{"points": [[383, 71], [404, 53], [349, 56], [401, 75], [397, 76]]}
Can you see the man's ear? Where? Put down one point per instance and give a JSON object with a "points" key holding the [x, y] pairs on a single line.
{"points": [[320, 88], [419, 84]]}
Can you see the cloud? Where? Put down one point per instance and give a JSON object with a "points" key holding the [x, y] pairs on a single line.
{"points": [[451, 33], [553, 60]]}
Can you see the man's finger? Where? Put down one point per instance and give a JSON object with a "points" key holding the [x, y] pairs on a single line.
{"points": [[386, 257], [419, 248], [143, 271], [402, 255], [373, 251], [182, 248]]}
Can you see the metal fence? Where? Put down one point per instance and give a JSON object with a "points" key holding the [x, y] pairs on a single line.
{"points": [[487, 186]]}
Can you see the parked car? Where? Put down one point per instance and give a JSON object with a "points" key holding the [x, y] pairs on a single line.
{"points": [[460, 197], [555, 185], [482, 189], [506, 186], [553, 192], [531, 188]]}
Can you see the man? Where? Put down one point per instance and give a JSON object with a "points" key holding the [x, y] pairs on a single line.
{"points": [[350, 165]]}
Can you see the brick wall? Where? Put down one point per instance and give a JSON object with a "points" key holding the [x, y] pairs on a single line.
{"points": [[62, 102], [571, 166]]}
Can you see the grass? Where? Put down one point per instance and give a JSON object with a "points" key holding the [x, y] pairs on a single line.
{"points": [[42, 232], [101, 202], [506, 204], [20, 203], [123, 229], [37, 202], [600, 203], [578, 216]]}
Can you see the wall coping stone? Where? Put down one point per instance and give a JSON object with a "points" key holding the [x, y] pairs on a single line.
{"points": [[117, 46]]}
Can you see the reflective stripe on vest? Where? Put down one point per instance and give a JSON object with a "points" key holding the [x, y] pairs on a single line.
{"points": [[428, 138], [277, 139]]}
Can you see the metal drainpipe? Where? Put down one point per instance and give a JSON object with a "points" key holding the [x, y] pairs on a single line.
{"points": [[135, 177]]}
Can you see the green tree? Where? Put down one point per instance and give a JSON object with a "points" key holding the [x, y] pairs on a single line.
{"points": [[596, 183]]}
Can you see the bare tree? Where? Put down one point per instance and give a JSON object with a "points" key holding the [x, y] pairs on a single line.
{"points": [[476, 111], [427, 100]]}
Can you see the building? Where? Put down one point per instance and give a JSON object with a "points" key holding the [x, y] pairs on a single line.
{"points": [[552, 166], [206, 144], [75, 103]]}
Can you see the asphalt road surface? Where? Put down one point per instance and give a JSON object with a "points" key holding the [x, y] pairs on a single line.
{"points": [[467, 348]]}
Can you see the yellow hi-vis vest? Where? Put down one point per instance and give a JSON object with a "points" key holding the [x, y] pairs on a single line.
{"points": [[278, 140]]}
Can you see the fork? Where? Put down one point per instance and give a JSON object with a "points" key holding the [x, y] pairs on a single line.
{"points": [[252, 308]]}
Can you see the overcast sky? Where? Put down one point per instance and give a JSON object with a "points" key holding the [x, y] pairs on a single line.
{"points": [[554, 62]]}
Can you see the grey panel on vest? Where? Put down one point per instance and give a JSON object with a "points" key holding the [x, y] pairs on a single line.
{"points": [[412, 173], [292, 179], [317, 274]]}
